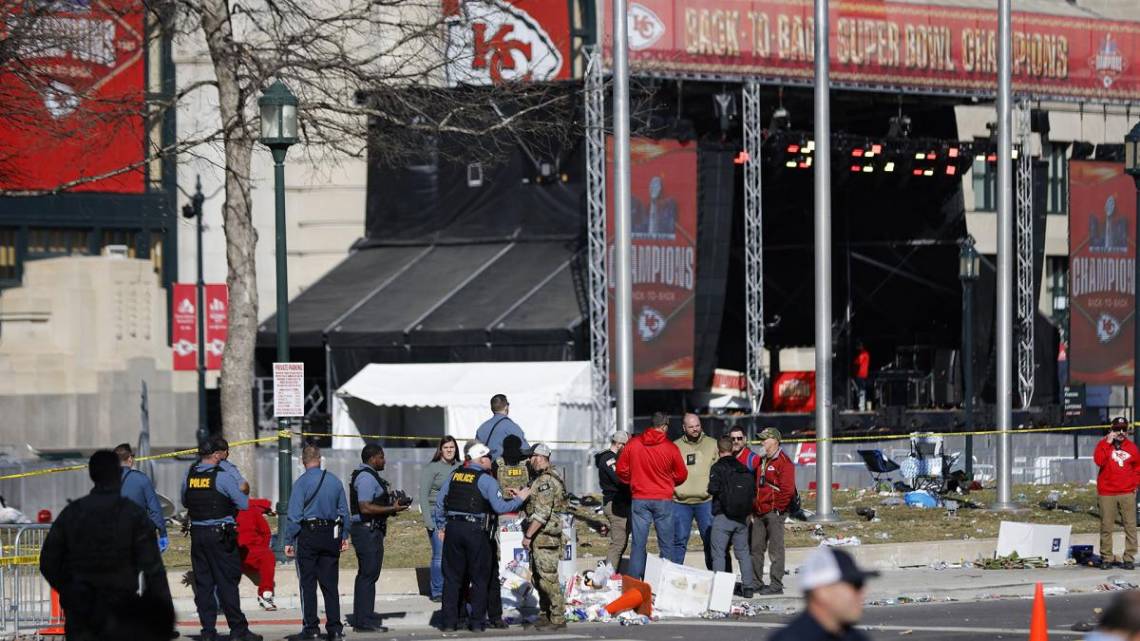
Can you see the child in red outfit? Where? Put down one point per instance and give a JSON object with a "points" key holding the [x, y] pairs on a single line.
{"points": [[257, 559]]}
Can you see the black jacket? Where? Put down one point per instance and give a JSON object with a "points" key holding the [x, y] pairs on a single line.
{"points": [[718, 474], [805, 628], [612, 487], [93, 555]]}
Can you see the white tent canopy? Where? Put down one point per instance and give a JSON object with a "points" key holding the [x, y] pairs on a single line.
{"points": [[550, 400]]}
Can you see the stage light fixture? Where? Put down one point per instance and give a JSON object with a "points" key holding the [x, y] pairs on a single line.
{"points": [[991, 158], [876, 149], [724, 104], [951, 170], [952, 152], [781, 119], [857, 152], [928, 172], [899, 127], [810, 147], [868, 169], [856, 168], [980, 157], [793, 148], [889, 167], [930, 155], [791, 164], [805, 163], [1014, 154], [917, 172], [920, 156]]}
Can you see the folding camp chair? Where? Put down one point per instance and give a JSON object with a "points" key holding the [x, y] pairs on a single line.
{"points": [[877, 465]]}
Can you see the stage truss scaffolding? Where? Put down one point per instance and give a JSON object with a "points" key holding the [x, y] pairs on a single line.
{"points": [[753, 244], [597, 283], [1026, 301]]}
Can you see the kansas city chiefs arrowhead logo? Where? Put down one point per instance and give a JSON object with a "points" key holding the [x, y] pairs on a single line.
{"points": [[493, 41], [650, 324], [1107, 328], [645, 28]]}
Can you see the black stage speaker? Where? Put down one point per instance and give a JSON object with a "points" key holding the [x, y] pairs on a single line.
{"points": [[947, 375]]}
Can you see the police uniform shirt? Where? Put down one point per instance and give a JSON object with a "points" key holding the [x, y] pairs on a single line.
{"points": [[326, 502], [232, 470], [367, 489], [488, 488], [228, 485], [138, 489], [495, 430]]}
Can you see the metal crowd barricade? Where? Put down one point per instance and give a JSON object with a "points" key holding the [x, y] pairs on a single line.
{"points": [[25, 597]]}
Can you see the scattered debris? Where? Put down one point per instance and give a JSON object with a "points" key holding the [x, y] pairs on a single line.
{"points": [[1014, 562], [1054, 590], [840, 542], [868, 513]]}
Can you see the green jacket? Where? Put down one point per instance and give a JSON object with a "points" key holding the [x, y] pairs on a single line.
{"points": [[431, 479], [699, 458]]}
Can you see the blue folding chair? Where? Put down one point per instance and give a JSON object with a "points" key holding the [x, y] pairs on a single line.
{"points": [[878, 465]]}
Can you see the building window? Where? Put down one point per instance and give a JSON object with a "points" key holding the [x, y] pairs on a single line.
{"points": [[985, 185], [9, 269], [119, 237], [1057, 178], [63, 241], [156, 254]]}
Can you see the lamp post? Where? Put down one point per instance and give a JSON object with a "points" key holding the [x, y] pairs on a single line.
{"points": [[968, 263], [1132, 166], [193, 209], [278, 108]]}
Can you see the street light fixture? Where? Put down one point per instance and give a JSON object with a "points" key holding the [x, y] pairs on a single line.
{"points": [[1132, 167], [969, 264], [193, 209], [278, 108]]}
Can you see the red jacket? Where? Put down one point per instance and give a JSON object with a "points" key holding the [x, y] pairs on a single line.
{"points": [[1119, 469], [749, 459], [253, 529], [652, 466], [775, 485]]}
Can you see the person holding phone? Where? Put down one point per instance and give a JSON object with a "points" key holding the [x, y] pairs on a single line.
{"points": [[1118, 462]]}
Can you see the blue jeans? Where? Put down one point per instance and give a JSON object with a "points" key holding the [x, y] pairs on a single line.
{"points": [[642, 513], [683, 516], [436, 564]]}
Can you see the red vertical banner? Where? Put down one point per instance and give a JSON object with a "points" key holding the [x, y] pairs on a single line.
{"points": [[217, 326], [1102, 287], [184, 327], [664, 229]]}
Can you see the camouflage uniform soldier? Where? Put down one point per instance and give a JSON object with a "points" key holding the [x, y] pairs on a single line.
{"points": [[543, 538]]}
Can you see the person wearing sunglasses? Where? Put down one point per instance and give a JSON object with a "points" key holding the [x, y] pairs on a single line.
{"points": [[1118, 462], [833, 591]]}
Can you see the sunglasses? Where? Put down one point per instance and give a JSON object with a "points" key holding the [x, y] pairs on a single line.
{"points": [[738, 438]]}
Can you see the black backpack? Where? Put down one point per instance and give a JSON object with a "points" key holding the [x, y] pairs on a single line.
{"points": [[739, 492]]}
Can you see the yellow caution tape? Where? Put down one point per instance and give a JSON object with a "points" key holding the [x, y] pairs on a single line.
{"points": [[29, 559]]}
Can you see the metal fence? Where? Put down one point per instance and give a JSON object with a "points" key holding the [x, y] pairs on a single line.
{"points": [[25, 597]]}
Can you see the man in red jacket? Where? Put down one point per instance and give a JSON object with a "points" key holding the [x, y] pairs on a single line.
{"points": [[775, 487], [257, 559], [1119, 463], [652, 466]]}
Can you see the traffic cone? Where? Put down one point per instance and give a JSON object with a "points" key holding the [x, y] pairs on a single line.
{"points": [[627, 601], [56, 628], [1038, 626]]}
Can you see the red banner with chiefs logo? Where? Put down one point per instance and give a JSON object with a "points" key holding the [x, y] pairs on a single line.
{"points": [[217, 324], [794, 392], [74, 96], [885, 44], [1102, 244], [664, 228], [495, 41], [184, 327]]}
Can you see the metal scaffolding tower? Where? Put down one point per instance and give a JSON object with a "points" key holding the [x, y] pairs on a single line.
{"points": [[1026, 300], [753, 245], [603, 420]]}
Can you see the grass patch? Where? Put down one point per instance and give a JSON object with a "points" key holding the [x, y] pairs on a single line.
{"points": [[406, 545]]}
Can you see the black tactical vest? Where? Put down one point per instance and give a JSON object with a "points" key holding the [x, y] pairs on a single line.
{"points": [[463, 493], [202, 498], [354, 500]]}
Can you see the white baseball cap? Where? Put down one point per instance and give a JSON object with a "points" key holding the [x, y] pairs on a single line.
{"points": [[478, 451], [828, 565]]}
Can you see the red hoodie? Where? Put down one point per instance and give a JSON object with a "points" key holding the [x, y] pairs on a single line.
{"points": [[253, 529], [1118, 468], [652, 466]]}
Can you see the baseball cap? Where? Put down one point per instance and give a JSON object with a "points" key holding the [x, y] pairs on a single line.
{"points": [[770, 432], [538, 448], [828, 565], [478, 451], [1118, 423], [620, 436]]}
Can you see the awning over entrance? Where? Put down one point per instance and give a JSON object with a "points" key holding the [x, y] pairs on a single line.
{"points": [[413, 297]]}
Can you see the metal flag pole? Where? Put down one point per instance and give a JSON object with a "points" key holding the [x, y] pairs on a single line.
{"points": [[1004, 263], [823, 401], [623, 298]]}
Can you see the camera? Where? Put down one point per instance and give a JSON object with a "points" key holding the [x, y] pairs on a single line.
{"points": [[397, 497]]}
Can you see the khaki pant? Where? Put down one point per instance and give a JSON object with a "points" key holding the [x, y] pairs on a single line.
{"points": [[619, 535], [768, 536], [1124, 507]]}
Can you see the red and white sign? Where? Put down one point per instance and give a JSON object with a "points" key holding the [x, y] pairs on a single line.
{"points": [[75, 96], [217, 324], [184, 327], [794, 392], [288, 390], [884, 44], [495, 41]]}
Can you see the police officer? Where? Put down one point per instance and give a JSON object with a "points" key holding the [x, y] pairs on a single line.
{"points": [[315, 534], [212, 498], [371, 504], [463, 511], [93, 556], [543, 537], [140, 490]]}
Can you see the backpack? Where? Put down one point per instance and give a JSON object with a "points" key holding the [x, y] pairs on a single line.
{"points": [[739, 492]]}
